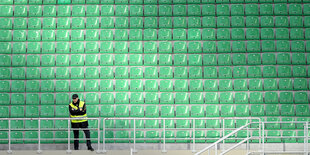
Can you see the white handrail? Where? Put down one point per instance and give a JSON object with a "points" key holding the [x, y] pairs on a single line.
{"points": [[221, 139]]}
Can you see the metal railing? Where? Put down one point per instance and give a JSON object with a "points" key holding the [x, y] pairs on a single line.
{"points": [[103, 140]]}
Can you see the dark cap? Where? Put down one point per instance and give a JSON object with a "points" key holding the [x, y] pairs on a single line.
{"points": [[74, 96]]}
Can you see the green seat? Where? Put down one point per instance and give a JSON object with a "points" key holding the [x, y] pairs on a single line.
{"points": [[253, 46], [151, 98], [224, 59], [46, 111], [4, 99], [239, 59], [290, 124], [301, 98], [286, 97], [225, 72], [227, 111], [137, 111], [61, 98], [135, 59], [7, 49], [179, 59], [241, 122], [256, 97], [17, 99], [195, 72], [152, 111], [152, 136], [212, 98], [61, 111], [298, 59], [121, 111], [151, 73], [107, 98], [252, 21], [107, 111], [209, 59], [3, 137], [179, 22], [166, 73], [17, 111], [212, 136], [184, 136], [17, 137], [241, 98], [181, 98], [239, 72], [17, 86], [298, 46], [257, 110], [122, 123], [283, 59], [269, 72], [167, 111], [242, 111], [35, 10], [181, 85], [91, 85], [289, 134], [47, 137], [211, 85], [5, 113], [150, 22], [302, 110], [275, 125], [197, 111], [121, 72], [93, 110], [17, 60], [31, 124], [61, 136], [226, 98], [225, 85], [254, 72], [271, 97], [272, 110], [166, 98], [240, 85], [287, 110], [196, 98], [213, 123], [255, 85], [32, 99], [5, 86], [122, 85], [182, 111], [271, 136], [285, 84], [196, 85], [137, 98], [106, 85], [150, 47], [165, 22]]}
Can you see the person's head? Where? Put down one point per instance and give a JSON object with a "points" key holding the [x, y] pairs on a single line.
{"points": [[75, 98]]}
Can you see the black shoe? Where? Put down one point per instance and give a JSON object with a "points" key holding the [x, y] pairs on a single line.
{"points": [[90, 149], [76, 148]]}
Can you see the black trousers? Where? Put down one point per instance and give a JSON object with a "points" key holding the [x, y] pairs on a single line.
{"points": [[84, 127]]}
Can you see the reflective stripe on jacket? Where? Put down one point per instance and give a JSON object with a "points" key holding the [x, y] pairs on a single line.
{"points": [[78, 116]]}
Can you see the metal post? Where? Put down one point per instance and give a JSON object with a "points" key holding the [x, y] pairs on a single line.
{"points": [[68, 151], [260, 135], [263, 124], [103, 149], [247, 144], [164, 132], [215, 149], [306, 138], [223, 148], [98, 129], [194, 137], [134, 135], [39, 136], [9, 151]]}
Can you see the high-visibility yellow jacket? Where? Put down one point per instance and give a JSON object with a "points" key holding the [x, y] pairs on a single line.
{"points": [[81, 105]]}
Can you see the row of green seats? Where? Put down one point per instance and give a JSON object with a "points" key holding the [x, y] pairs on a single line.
{"points": [[152, 136], [250, 59], [146, 2], [285, 84], [165, 98], [151, 124], [152, 73], [152, 111], [154, 47], [156, 10], [154, 22], [161, 35]]}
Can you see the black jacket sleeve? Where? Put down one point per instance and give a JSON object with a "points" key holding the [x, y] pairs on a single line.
{"points": [[77, 112]]}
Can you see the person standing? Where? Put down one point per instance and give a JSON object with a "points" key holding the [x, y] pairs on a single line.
{"points": [[77, 109]]}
